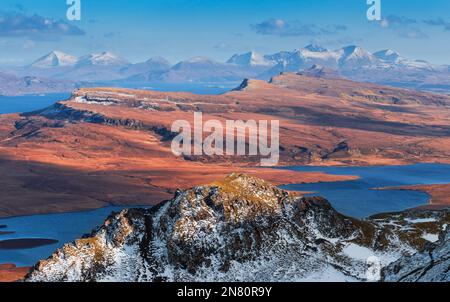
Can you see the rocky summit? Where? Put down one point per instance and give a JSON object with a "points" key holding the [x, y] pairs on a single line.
{"points": [[240, 229]]}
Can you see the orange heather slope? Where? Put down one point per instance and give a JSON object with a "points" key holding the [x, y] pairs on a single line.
{"points": [[11, 273], [112, 146]]}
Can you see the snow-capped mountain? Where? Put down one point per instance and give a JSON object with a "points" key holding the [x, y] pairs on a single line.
{"points": [[59, 59], [278, 57], [355, 57], [239, 229], [250, 59], [349, 57], [394, 59], [102, 59], [93, 67], [55, 59], [386, 67], [388, 55]]}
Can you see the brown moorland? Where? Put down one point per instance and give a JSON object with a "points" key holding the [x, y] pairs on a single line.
{"points": [[11, 273], [112, 146]]}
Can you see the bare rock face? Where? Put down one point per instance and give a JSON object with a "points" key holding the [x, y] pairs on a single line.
{"points": [[237, 229], [431, 265]]}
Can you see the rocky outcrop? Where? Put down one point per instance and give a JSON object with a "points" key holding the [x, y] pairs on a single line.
{"points": [[431, 265], [238, 229]]}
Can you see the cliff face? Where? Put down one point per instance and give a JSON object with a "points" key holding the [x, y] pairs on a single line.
{"points": [[238, 229]]}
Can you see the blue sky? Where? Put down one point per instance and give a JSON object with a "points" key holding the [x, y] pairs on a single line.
{"points": [[180, 29]]}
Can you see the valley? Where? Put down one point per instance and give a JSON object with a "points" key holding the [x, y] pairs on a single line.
{"points": [[107, 147], [118, 140]]}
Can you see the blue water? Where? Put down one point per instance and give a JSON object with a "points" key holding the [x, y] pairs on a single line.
{"points": [[17, 104], [27, 103], [65, 228], [213, 89], [359, 199], [197, 88]]}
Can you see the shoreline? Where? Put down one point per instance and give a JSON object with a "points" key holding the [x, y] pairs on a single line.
{"points": [[439, 194]]}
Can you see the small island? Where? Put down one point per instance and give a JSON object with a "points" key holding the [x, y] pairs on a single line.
{"points": [[25, 243]]}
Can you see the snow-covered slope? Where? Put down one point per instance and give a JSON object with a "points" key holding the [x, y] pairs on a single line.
{"points": [[349, 57], [250, 59], [431, 265], [55, 59], [388, 55], [357, 64], [394, 59], [238, 229], [102, 59]]}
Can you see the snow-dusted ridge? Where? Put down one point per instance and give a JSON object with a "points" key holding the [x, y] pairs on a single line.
{"points": [[430, 265], [55, 59], [352, 62], [251, 59], [238, 229]]}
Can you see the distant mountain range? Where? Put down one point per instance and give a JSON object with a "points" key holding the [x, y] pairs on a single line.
{"points": [[351, 62], [355, 63]]}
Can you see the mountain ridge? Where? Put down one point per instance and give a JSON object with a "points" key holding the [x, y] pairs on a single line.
{"points": [[55, 59], [237, 229], [386, 67]]}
